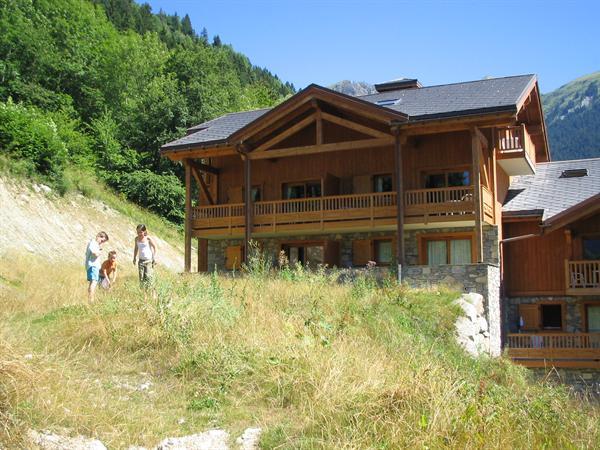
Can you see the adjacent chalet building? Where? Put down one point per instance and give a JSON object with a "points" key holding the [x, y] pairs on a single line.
{"points": [[411, 177], [551, 265]]}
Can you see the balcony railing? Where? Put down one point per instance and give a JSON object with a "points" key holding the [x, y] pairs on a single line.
{"points": [[339, 211], [578, 350], [582, 277], [514, 143]]}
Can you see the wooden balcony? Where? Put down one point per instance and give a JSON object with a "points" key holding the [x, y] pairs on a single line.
{"points": [[375, 211], [582, 277], [516, 152], [576, 350]]}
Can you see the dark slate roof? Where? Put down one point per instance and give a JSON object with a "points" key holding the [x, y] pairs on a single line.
{"points": [[433, 102], [547, 193], [447, 100], [217, 130]]}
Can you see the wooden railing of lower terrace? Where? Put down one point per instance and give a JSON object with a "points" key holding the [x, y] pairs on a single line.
{"points": [[576, 350], [339, 211], [583, 277]]}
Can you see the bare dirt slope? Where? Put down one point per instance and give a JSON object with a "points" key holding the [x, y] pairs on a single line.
{"points": [[35, 220]]}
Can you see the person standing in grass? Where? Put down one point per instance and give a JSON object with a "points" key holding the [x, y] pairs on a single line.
{"points": [[145, 247], [93, 262]]}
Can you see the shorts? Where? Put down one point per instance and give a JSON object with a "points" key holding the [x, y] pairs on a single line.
{"points": [[146, 271], [93, 273]]}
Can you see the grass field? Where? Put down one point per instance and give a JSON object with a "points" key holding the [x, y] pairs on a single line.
{"points": [[314, 363]]}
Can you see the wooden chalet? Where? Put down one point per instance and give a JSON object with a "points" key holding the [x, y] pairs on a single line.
{"points": [[445, 183], [551, 249], [340, 180]]}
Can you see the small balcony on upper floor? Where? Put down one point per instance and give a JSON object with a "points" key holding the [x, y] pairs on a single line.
{"points": [[516, 151], [582, 277]]}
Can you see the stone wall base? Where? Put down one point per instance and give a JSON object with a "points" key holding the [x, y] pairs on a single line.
{"points": [[585, 381]]}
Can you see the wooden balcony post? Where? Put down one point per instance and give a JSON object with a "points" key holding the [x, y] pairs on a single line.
{"points": [[187, 262], [248, 204], [399, 139], [475, 150]]}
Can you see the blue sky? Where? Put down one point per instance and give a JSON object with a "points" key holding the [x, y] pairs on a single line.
{"points": [[437, 42]]}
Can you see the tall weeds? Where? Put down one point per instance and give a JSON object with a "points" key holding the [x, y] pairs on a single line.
{"points": [[317, 364]]}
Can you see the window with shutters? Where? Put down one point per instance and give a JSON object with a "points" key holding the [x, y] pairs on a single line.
{"points": [[542, 316]]}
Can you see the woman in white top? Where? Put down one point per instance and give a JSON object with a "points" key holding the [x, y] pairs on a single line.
{"points": [[145, 246]]}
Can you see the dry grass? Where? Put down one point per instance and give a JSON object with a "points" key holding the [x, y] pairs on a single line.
{"points": [[316, 364]]}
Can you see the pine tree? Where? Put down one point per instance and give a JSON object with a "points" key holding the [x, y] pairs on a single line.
{"points": [[186, 26], [217, 41]]}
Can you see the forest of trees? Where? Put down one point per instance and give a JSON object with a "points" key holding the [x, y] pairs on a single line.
{"points": [[100, 85]]}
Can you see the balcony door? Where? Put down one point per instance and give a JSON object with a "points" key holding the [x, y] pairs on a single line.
{"points": [[301, 189], [444, 179]]}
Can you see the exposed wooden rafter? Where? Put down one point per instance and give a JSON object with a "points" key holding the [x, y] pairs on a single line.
{"points": [[202, 184], [287, 133], [354, 126], [323, 148], [201, 167]]}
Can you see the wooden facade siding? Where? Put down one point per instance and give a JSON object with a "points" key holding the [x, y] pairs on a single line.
{"points": [[420, 156], [536, 265]]}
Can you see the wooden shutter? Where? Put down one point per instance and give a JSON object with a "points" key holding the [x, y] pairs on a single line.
{"points": [[332, 253], [202, 255], [234, 194], [233, 257], [361, 252], [361, 184], [531, 317]]}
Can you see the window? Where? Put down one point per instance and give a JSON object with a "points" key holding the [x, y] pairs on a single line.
{"points": [[591, 248], [382, 183], [387, 102], [551, 317], [593, 318], [306, 254], [442, 179], [383, 252], [451, 249], [305, 189]]}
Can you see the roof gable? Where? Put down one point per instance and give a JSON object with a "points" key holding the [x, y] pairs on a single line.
{"points": [[412, 105]]}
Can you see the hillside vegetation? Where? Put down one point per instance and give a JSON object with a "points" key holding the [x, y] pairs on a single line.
{"points": [[314, 363], [100, 86], [573, 118]]}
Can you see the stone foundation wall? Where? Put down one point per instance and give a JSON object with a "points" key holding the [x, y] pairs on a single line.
{"points": [[574, 321], [482, 278], [272, 246], [585, 381]]}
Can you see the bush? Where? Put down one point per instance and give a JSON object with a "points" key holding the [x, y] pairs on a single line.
{"points": [[162, 194], [29, 134]]}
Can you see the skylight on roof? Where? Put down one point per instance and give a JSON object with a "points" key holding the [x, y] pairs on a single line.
{"points": [[387, 102], [574, 173]]}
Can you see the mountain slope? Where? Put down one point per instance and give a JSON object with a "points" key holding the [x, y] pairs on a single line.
{"points": [[37, 221], [355, 88], [573, 118]]}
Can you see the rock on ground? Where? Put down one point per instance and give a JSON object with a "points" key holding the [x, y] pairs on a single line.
{"points": [[49, 441], [249, 440], [209, 440]]}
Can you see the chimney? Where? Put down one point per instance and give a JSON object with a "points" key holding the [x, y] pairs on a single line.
{"points": [[400, 83]]}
